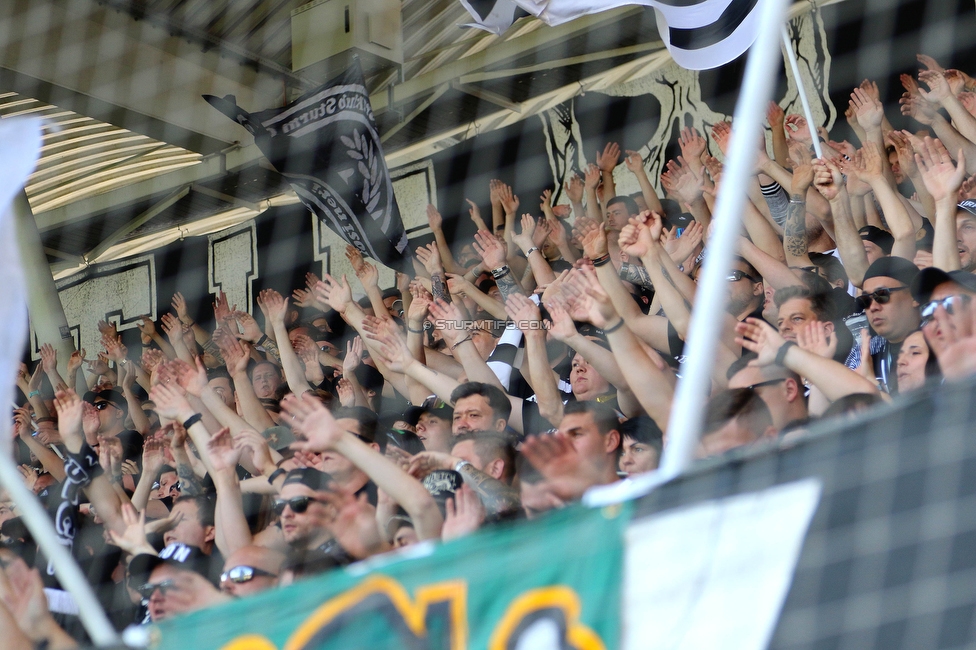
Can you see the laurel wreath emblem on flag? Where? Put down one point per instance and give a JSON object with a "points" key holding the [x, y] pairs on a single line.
{"points": [[362, 150]]}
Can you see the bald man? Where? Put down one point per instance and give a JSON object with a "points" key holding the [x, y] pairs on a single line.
{"points": [[250, 570]]}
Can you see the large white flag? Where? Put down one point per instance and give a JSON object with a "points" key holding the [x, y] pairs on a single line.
{"points": [[699, 34]]}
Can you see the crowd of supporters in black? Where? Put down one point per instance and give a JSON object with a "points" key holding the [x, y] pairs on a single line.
{"points": [[237, 452]]}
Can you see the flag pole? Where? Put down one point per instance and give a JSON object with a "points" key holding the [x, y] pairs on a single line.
{"points": [[687, 410], [791, 56]]}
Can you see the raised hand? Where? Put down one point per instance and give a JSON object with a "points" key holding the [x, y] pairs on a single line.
{"points": [[353, 358], [920, 109], [221, 309], [929, 62], [434, 218], [465, 514], [170, 402], [133, 539], [355, 258], [607, 160], [721, 133], [636, 238], [594, 301], [591, 177], [938, 90], [692, 143], [153, 456], [817, 337], [178, 303], [827, 179], [430, 257], [49, 358], [798, 129], [70, 410], [574, 189], [593, 237], [369, 275], [522, 310], [249, 328], [867, 109], [760, 337], [393, 352], [524, 239], [491, 251], [775, 115], [146, 326], [509, 201], [563, 328], [224, 456], [310, 417], [942, 179], [275, 305], [253, 443]]}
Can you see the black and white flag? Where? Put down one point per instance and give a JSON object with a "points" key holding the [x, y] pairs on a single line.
{"points": [[327, 146], [699, 34]]}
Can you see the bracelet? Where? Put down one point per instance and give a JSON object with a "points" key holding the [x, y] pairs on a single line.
{"points": [[465, 339], [500, 272], [410, 329], [190, 421], [781, 353], [275, 474], [611, 330], [531, 250], [601, 261], [33, 393], [261, 341]]}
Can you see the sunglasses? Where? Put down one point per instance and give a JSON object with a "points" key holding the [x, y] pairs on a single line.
{"points": [[178, 486], [101, 406], [298, 505], [241, 574], [948, 303], [146, 590], [882, 296], [736, 275]]}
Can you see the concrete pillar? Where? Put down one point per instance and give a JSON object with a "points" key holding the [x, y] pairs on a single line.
{"points": [[43, 303]]}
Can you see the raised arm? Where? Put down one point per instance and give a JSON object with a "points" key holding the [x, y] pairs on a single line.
{"points": [[943, 180], [324, 434]]}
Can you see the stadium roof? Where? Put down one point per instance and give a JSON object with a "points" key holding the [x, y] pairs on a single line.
{"points": [[134, 158]]}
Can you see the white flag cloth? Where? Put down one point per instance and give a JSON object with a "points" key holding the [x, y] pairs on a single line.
{"points": [[699, 34]]}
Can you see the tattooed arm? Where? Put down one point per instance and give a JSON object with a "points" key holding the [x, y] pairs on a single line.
{"points": [[497, 497], [795, 227], [635, 274]]}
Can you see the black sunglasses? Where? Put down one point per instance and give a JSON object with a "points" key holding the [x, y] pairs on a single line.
{"points": [[298, 505], [882, 296], [948, 303], [101, 406], [242, 574], [146, 590], [735, 275]]}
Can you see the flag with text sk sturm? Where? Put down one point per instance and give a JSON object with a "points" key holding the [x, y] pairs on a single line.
{"points": [[699, 34], [326, 145]]}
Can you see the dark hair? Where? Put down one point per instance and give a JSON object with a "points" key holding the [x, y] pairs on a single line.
{"points": [[604, 416], [489, 445], [628, 202], [737, 404], [219, 372], [832, 266], [367, 422], [643, 429], [750, 269], [820, 302], [500, 405], [392, 292], [850, 404], [527, 472], [205, 507]]}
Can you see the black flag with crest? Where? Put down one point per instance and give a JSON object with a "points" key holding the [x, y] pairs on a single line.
{"points": [[327, 146]]}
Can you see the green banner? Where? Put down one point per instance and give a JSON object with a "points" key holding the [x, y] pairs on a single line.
{"points": [[556, 578]]}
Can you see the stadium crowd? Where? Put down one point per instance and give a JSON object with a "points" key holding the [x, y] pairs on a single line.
{"points": [[504, 379]]}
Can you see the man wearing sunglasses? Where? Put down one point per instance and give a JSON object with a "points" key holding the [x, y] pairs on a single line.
{"points": [[946, 301], [250, 570], [892, 313], [746, 294], [112, 412], [302, 512]]}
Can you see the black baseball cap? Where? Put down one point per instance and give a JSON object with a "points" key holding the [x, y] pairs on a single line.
{"points": [[109, 395], [183, 556], [897, 268], [876, 235], [930, 278]]}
